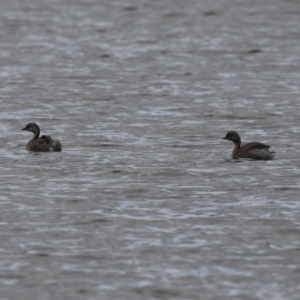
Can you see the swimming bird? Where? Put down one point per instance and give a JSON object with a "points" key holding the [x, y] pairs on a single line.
{"points": [[41, 144], [254, 150]]}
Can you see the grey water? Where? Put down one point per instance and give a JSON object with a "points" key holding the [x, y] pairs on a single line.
{"points": [[144, 202]]}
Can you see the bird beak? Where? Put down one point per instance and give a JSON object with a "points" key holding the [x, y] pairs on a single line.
{"points": [[24, 128], [224, 138]]}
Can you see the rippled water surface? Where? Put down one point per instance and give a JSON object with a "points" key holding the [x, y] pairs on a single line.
{"points": [[143, 202]]}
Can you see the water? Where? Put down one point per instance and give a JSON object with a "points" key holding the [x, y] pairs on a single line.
{"points": [[143, 202]]}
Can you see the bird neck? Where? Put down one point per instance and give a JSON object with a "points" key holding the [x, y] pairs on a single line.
{"points": [[36, 134], [235, 149]]}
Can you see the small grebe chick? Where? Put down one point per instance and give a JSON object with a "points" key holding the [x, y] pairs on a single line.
{"points": [[253, 150], [41, 144]]}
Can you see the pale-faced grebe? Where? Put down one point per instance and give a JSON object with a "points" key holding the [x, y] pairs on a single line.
{"points": [[43, 143], [253, 150]]}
